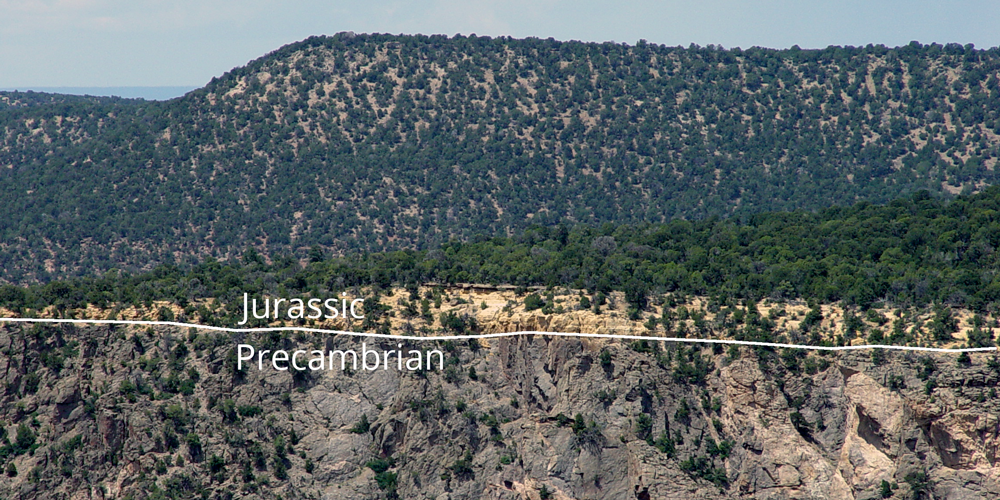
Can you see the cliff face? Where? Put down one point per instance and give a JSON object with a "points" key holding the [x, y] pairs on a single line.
{"points": [[101, 412]]}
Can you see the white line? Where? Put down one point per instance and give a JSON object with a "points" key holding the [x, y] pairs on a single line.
{"points": [[488, 335]]}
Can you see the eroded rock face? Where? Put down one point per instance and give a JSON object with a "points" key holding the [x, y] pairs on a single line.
{"points": [[507, 419]]}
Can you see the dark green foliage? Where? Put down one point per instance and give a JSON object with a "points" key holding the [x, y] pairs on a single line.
{"points": [[978, 337], [249, 410], [613, 133], [885, 489], [228, 409], [590, 435], [544, 493], [720, 450], [380, 465], [993, 363], [459, 324], [919, 484], [24, 441], [562, 420], [279, 446], [665, 444], [692, 369], [605, 358], [635, 294], [683, 412], [256, 452], [175, 384], [644, 346], [170, 440], [787, 251], [216, 464], [643, 427], [362, 426], [71, 445], [279, 468], [943, 324], [813, 317], [386, 481], [704, 468], [878, 357], [194, 446], [963, 359], [532, 301], [927, 367], [801, 425], [31, 381], [462, 468], [929, 386]]}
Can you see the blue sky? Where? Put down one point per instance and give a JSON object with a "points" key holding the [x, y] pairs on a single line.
{"points": [[119, 43]]}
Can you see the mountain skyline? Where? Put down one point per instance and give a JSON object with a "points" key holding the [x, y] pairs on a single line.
{"points": [[161, 93], [115, 43]]}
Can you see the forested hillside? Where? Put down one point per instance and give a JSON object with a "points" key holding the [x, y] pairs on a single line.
{"points": [[372, 142], [910, 253]]}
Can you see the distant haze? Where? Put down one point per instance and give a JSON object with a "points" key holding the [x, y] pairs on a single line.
{"points": [[148, 93]]}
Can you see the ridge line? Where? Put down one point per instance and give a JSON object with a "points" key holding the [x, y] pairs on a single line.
{"points": [[493, 335]]}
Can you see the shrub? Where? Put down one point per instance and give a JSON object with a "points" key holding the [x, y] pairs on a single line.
{"points": [[249, 411], [279, 446], [885, 489], [362, 426], [605, 358], [532, 301], [544, 493], [462, 468], [703, 468], [665, 444], [280, 469], [385, 479], [31, 381], [918, 483], [216, 464], [643, 426], [380, 464], [228, 409], [25, 440], [878, 357]]}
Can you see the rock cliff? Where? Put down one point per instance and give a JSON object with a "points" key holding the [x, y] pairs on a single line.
{"points": [[98, 412]]}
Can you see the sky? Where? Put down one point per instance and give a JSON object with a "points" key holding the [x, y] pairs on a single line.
{"points": [[184, 43]]}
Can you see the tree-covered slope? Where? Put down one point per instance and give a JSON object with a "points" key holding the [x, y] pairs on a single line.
{"points": [[914, 252], [378, 141]]}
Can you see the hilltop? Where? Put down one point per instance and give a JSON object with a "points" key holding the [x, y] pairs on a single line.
{"points": [[371, 142]]}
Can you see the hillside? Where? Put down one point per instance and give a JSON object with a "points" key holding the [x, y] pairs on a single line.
{"points": [[913, 252], [155, 413], [369, 142]]}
